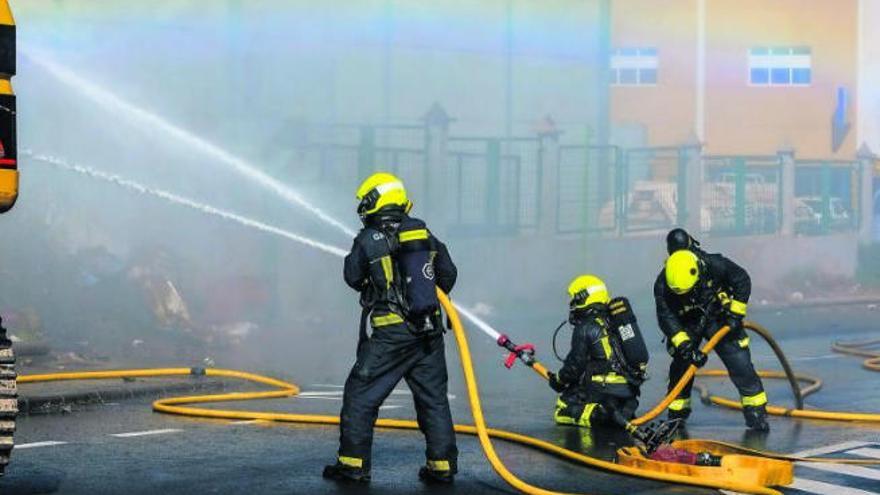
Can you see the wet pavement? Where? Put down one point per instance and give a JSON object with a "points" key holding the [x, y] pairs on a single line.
{"points": [[123, 447]]}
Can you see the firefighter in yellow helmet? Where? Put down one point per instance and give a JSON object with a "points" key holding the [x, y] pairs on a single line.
{"points": [[600, 379], [396, 264], [696, 294]]}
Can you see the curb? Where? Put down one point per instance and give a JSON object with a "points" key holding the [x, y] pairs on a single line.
{"points": [[66, 402]]}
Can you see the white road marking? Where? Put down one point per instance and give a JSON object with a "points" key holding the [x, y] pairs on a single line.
{"points": [[145, 433], [248, 422], [390, 407], [825, 488], [818, 358], [848, 469], [50, 443], [831, 448], [318, 394], [866, 452]]}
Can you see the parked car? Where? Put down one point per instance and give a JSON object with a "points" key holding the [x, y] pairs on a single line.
{"points": [[808, 214]]}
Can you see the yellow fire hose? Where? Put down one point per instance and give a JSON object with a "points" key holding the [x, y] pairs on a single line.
{"points": [[859, 349], [872, 363], [176, 405]]}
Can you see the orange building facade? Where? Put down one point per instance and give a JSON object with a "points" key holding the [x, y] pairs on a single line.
{"points": [[743, 77]]}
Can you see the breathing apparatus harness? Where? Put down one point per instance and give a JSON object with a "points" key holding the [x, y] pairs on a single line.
{"points": [[411, 291], [629, 356]]}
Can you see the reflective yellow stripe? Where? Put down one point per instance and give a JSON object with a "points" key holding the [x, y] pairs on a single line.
{"points": [[680, 337], [755, 400], [413, 235], [609, 378], [438, 465], [737, 307], [385, 320], [351, 461], [389, 271], [558, 416], [606, 346], [744, 342], [680, 404], [584, 420]]}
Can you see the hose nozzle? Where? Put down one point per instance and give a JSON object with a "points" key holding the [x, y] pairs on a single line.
{"points": [[524, 352]]}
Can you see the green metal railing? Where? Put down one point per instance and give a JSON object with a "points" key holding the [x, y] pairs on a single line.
{"points": [[497, 185], [589, 189], [742, 195], [827, 196]]}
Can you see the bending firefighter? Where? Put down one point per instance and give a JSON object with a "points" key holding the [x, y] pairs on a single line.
{"points": [[698, 293], [600, 378], [395, 263]]}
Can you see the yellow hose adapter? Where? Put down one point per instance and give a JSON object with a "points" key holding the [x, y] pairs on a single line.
{"points": [[8, 140]]}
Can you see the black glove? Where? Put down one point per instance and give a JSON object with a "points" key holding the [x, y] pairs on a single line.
{"points": [[689, 354], [684, 350], [554, 382], [735, 322], [698, 359]]}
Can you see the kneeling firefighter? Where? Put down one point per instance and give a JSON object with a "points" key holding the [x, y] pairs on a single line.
{"points": [[599, 381], [696, 294], [396, 265]]}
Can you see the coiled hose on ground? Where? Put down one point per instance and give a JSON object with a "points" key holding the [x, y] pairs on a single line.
{"points": [[183, 406]]}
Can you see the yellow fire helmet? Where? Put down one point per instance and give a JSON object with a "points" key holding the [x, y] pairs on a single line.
{"points": [[682, 271], [380, 190], [586, 290]]}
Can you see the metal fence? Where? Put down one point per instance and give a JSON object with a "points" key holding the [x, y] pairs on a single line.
{"points": [[496, 185], [341, 155], [741, 195], [589, 189], [652, 186], [827, 197]]}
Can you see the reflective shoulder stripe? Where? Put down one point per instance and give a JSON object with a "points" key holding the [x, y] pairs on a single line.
{"points": [[755, 400], [351, 461], [441, 465], [680, 404], [680, 337], [738, 307], [413, 235], [385, 320], [744, 342], [388, 270]]}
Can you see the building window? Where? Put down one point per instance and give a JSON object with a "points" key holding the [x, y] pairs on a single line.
{"points": [[780, 66], [634, 67]]}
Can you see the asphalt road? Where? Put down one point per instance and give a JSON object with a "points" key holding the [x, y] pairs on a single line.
{"points": [[125, 448]]}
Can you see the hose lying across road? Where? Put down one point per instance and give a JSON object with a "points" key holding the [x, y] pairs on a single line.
{"points": [[861, 349], [182, 406], [857, 349]]}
